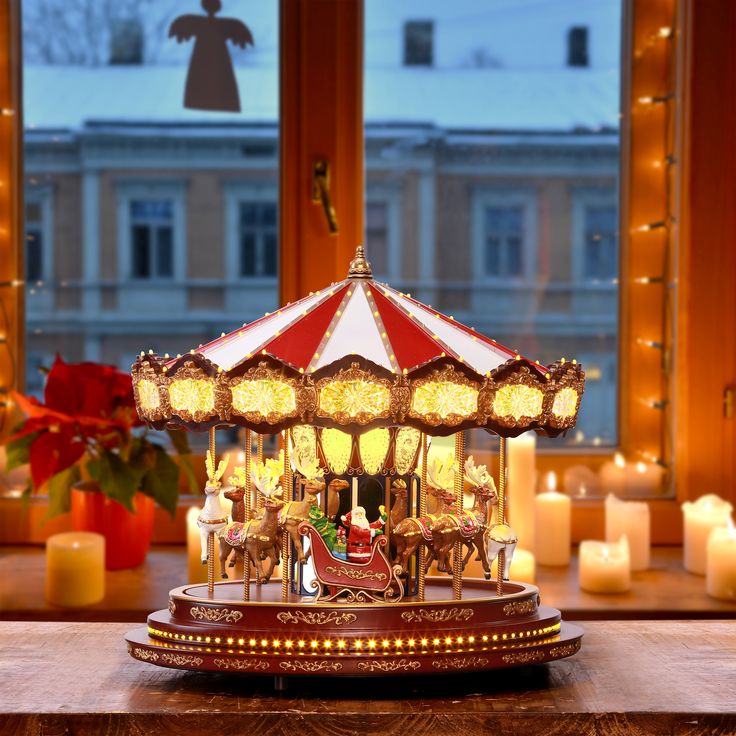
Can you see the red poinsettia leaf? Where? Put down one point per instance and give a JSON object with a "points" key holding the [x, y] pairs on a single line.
{"points": [[52, 452]]}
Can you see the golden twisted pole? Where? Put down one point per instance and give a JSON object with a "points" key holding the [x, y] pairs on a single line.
{"points": [[500, 514], [285, 539], [246, 514], [211, 535], [423, 512], [457, 552]]}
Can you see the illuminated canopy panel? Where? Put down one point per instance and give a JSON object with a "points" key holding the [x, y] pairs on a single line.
{"points": [[405, 449], [337, 447], [373, 447], [358, 356], [304, 440]]}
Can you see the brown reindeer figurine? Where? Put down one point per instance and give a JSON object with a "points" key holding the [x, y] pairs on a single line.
{"points": [[412, 531], [333, 496], [236, 494], [468, 527]]}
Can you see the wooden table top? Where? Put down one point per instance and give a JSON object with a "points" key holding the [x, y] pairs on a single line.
{"points": [[654, 677], [665, 591]]}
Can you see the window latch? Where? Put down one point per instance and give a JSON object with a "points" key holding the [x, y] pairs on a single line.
{"points": [[321, 192], [728, 396]]}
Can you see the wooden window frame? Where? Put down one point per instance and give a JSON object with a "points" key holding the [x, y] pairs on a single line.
{"points": [[321, 62]]}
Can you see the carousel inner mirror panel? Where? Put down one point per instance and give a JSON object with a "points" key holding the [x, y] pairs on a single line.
{"points": [[357, 536]]}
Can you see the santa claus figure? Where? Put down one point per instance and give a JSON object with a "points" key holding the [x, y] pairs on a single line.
{"points": [[361, 533]]}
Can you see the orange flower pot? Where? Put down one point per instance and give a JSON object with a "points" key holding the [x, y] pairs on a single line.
{"points": [[127, 536]]}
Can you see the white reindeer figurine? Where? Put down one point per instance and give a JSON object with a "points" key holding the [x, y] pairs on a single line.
{"points": [[500, 536], [212, 517]]}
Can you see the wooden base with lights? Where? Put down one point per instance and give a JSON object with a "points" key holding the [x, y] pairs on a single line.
{"points": [[266, 636]]}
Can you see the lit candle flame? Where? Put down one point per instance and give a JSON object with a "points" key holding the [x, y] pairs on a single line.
{"points": [[551, 481], [605, 553], [583, 490], [619, 461], [641, 467]]}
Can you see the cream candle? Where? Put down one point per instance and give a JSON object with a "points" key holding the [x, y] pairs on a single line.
{"points": [[720, 575], [604, 567], [521, 486], [75, 569], [700, 517], [580, 481], [197, 572], [644, 479], [523, 567], [613, 475], [630, 518], [552, 515]]}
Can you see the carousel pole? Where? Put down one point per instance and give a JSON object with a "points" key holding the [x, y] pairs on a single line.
{"points": [[285, 539], [246, 515], [501, 512], [259, 458], [423, 512], [211, 535], [457, 553]]}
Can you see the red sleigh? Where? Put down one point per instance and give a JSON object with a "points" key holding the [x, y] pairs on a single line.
{"points": [[374, 580]]}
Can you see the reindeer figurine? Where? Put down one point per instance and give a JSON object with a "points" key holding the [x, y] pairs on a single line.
{"points": [[500, 536], [469, 526], [413, 531], [260, 538], [236, 494], [212, 517]]}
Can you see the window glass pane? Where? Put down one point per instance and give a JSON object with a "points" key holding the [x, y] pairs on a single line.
{"points": [[34, 254], [493, 128], [376, 237], [140, 177]]}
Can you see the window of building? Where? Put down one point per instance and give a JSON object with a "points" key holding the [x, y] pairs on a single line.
{"points": [[601, 243], [577, 46], [258, 239], [152, 238], [376, 236], [419, 43], [34, 242], [503, 238]]}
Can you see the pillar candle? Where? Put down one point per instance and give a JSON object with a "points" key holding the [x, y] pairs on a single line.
{"points": [[197, 572], [75, 569], [700, 517], [632, 519], [580, 481], [521, 484], [523, 567], [613, 475], [552, 515], [720, 575], [604, 567], [644, 479]]}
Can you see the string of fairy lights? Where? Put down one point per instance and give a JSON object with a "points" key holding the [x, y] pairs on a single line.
{"points": [[666, 278]]}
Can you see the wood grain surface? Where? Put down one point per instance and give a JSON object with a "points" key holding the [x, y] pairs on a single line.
{"points": [[664, 592], [630, 678]]}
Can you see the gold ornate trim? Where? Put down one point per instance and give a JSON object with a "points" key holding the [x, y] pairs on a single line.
{"points": [[459, 663], [565, 650], [537, 655], [438, 616], [181, 660], [316, 618], [308, 665], [389, 665], [227, 663], [355, 574], [520, 608], [145, 654], [201, 613]]}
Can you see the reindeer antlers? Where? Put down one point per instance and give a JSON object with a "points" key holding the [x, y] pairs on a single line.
{"points": [[441, 473], [266, 477], [237, 479], [213, 476], [310, 471], [478, 475]]}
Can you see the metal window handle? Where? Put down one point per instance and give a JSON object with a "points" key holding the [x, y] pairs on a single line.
{"points": [[321, 192]]}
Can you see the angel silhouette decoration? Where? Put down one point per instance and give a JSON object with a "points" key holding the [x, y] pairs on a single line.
{"points": [[211, 83]]}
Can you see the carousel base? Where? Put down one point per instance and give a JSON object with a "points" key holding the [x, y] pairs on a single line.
{"points": [[266, 636]]}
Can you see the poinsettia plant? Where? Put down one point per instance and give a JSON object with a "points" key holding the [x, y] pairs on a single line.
{"points": [[87, 428]]}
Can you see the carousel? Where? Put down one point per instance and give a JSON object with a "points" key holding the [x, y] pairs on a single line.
{"points": [[356, 536]]}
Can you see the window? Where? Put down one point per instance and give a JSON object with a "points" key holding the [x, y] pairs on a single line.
{"points": [[418, 43], [601, 242], [34, 242], [152, 238], [503, 236], [376, 236], [258, 239], [577, 46]]}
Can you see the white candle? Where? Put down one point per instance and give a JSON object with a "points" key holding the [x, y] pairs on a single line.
{"points": [[604, 567], [521, 486], [720, 576], [197, 572], [75, 569], [700, 517], [644, 479], [580, 481], [613, 475], [630, 518], [523, 567], [552, 514]]}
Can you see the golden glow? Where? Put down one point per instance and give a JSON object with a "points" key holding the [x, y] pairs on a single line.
{"points": [[518, 401], [405, 449], [373, 449], [148, 398], [304, 439], [337, 447], [565, 403], [193, 395], [444, 398], [263, 396], [354, 397]]}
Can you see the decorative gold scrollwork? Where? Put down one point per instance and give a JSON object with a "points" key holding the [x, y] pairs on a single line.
{"points": [[228, 663], [438, 615], [202, 613], [316, 618], [356, 574], [181, 660], [389, 665], [520, 608], [459, 663], [309, 665]]}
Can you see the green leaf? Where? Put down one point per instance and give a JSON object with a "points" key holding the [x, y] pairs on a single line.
{"points": [[117, 479], [59, 491], [162, 481], [180, 439], [18, 452]]}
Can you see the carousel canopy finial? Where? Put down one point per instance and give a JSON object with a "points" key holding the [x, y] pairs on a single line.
{"points": [[360, 268]]}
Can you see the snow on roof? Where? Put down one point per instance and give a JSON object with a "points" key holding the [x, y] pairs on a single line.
{"points": [[564, 99]]}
